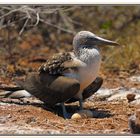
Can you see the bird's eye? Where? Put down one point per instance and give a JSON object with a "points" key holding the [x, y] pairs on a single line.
{"points": [[91, 39], [86, 46]]}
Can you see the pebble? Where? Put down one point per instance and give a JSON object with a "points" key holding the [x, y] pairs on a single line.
{"points": [[131, 97], [16, 95], [134, 122]]}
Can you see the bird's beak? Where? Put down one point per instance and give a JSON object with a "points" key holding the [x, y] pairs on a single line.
{"points": [[102, 41]]}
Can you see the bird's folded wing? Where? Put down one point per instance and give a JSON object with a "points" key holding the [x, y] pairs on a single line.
{"points": [[61, 63], [51, 89]]}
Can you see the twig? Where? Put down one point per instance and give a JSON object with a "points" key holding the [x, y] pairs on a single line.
{"points": [[12, 23], [21, 31], [75, 22], [37, 19], [12, 11], [58, 27], [65, 20], [50, 11], [39, 14], [71, 8]]}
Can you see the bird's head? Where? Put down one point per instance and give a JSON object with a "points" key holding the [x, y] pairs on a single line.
{"points": [[86, 39]]}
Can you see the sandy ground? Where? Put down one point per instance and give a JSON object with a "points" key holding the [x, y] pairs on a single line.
{"points": [[110, 118], [30, 116]]}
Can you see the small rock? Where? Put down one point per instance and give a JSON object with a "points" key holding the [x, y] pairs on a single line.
{"points": [[15, 95], [131, 97], [82, 114], [134, 122], [135, 78]]}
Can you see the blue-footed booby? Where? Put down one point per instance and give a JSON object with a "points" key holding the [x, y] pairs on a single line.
{"points": [[69, 76]]}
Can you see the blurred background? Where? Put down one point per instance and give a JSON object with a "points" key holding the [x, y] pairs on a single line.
{"points": [[29, 34]]}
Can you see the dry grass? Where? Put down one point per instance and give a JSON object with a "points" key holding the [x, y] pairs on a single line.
{"points": [[124, 58]]}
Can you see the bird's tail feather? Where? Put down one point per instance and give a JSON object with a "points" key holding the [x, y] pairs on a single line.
{"points": [[10, 88]]}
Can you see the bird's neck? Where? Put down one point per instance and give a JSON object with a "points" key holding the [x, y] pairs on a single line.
{"points": [[89, 55]]}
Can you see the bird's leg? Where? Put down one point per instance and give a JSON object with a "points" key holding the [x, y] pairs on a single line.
{"points": [[81, 104], [90, 90], [80, 99], [65, 114]]}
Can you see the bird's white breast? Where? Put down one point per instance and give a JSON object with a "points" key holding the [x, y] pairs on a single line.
{"points": [[88, 74]]}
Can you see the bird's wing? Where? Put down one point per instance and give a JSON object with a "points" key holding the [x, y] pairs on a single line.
{"points": [[61, 63], [51, 85], [90, 90], [51, 89]]}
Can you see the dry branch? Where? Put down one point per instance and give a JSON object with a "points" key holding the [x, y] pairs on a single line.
{"points": [[26, 16]]}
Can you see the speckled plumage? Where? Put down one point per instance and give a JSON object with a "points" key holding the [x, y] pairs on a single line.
{"points": [[61, 64], [55, 65]]}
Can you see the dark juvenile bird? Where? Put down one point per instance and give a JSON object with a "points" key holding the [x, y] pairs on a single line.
{"points": [[69, 76]]}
